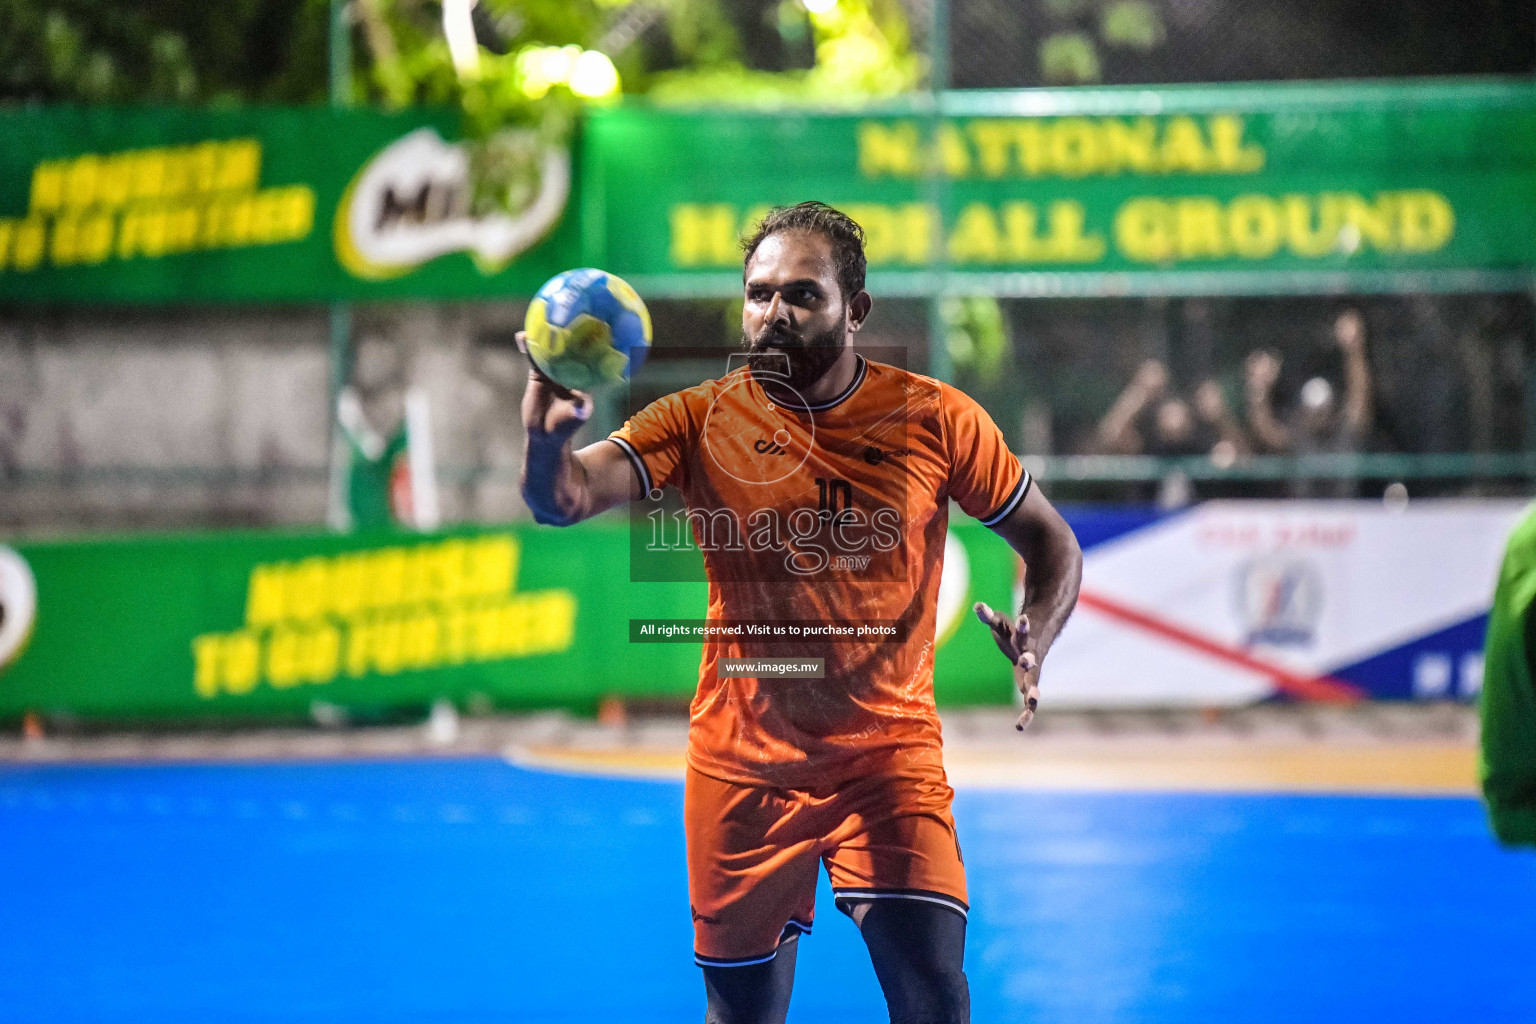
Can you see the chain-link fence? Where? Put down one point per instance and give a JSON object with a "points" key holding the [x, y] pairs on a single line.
{"points": [[1001, 44], [1305, 396], [187, 418], [173, 420]]}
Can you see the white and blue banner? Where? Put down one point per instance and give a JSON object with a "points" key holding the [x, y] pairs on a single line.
{"points": [[1232, 602]]}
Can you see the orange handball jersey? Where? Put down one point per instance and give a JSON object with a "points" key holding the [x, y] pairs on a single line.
{"points": [[825, 518]]}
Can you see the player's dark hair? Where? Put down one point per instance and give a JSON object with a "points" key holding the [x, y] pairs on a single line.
{"points": [[845, 237]]}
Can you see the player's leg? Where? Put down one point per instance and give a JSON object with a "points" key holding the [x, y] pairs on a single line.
{"points": [[918, 951], [752, 887], [752, 993], [895, 866]]}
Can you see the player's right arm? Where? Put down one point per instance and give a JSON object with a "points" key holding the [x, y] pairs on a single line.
{"points": [[562, 486]]}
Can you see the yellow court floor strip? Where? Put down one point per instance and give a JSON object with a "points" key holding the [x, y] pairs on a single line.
{"points": [[1419, 768]]}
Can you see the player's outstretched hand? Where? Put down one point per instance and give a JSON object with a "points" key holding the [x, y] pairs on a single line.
{"points": [[551, 412], [1014, 640]]}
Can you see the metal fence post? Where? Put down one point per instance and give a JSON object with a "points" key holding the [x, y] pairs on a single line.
{"points": [[340, 312], [940, 365]]}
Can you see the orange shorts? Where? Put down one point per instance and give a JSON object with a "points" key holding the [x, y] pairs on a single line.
{"points": [[752, 854]]}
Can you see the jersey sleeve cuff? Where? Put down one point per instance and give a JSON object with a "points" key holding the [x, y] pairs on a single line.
{"points": [[1014, 498], [636, 461]]}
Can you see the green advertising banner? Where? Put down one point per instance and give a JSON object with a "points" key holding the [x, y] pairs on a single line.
{"points": [[1282, 187], [1263, 188], [263, 625], [273, 204]]}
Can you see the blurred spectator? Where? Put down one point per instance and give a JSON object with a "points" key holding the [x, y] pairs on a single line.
{"points": [[1148, 418], [1211, 409], [1117, 433], [1317, 422]]}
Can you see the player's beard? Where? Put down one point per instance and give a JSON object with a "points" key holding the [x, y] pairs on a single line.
{"points": [[809, 357]]}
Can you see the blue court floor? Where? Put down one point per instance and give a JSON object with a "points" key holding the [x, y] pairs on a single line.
{"points": [[472, 891]]}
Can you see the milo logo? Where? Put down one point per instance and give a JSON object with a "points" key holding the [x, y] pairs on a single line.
{"points": [[18, 605], [421, 197]]}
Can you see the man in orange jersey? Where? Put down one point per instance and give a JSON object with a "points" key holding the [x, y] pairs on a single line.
{"points": [[818, 485]]}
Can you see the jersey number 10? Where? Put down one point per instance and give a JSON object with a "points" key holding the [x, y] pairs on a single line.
{"points": [[827, 496]]}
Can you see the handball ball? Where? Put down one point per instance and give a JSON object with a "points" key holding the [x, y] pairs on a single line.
{"points": [[586, 328]]}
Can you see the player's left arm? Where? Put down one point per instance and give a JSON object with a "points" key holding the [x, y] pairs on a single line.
{"points": [[1053, 569]]}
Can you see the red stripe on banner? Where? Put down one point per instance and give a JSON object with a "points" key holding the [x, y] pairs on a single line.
{"points": [[1297, 684]]}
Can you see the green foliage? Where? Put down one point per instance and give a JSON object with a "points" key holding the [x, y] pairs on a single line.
{"points": [[404, 59], [862, 52], [234, 51], [1070, 54], [1134, 24], [162, 51], [1068, 58], [976, 334], [701, 33]]}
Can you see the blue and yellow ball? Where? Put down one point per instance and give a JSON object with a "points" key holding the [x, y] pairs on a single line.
{"points": [[587, 328]]}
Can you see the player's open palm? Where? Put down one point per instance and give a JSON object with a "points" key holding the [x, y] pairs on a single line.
{"points": [[551, 412], [1017, 643]]}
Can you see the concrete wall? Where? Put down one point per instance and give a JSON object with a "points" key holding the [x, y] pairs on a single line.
{"points": [[130, 419], [135, 419]]}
